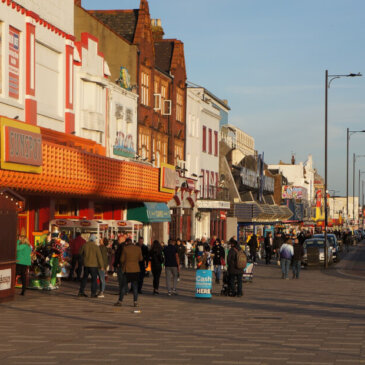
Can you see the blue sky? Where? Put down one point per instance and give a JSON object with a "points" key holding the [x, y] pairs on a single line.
{"points": [[268, 58]]}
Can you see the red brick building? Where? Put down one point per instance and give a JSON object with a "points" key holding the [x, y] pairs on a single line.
{"points": [[161, 79]]}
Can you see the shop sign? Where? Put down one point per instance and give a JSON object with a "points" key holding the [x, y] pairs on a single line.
{"points": [[5, 279], [190, 184], [167, 178], [61, 222], [85, 223], [121, 224], [14, 63], [223, 215], [213, 204], [21, 146], [103, 227], [203, 287]]}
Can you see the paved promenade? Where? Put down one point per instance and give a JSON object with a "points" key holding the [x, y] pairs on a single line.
{"points": [[318, 319]]}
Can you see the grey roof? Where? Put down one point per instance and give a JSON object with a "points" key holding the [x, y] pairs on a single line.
{"points": [[123, 22]]}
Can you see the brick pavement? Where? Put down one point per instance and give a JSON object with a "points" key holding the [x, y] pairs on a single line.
{"points": [[319, 319]]}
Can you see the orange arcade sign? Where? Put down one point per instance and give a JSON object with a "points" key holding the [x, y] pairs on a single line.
{"points": [[21, 146]]}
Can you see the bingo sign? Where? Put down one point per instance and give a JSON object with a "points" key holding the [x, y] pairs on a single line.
{"points": [[13, 63], [203, 284]]}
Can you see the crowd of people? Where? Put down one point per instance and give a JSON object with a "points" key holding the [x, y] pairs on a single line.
{"points": [[131, 262]]}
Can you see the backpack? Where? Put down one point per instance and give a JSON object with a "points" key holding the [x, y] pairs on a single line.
{"points": [[241, 260]]}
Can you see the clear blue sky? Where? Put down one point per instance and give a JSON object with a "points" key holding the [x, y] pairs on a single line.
{"points": [[268, 58]]}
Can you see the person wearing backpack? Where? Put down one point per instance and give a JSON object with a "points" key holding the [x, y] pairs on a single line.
{"points": [[236, 261]]}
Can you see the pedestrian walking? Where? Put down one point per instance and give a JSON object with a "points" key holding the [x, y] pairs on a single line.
{"points": [[268, 247], [143, 264], [156, 258], [235, 268], [172, 265], [102, 270], [297, 258], [93, 261], [130, 261], [76, 258], [286, 254], [23, 260], [252, 243], [218, 259], [277, 243]]}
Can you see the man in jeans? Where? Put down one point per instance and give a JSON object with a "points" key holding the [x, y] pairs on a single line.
{"points": [[235, 274], [297, 258], [93, 261], [286, 253], [172, 266]]}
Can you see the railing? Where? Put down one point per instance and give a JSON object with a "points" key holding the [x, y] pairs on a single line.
{"points": [[213, 193]]}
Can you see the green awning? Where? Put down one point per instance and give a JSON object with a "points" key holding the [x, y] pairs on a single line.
{"points": [[149, 213]]}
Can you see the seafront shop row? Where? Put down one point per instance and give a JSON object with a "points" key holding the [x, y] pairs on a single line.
{"points": [[64, 177]]}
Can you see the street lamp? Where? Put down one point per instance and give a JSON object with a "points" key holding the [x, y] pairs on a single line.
{"points": [[349, 134], [328, 80], [353, 185], [360, 173]]}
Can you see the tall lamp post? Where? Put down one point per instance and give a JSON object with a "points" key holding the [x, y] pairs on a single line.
{"points": [[328, 80], [360, 173], [349, 134], [353, 185]]}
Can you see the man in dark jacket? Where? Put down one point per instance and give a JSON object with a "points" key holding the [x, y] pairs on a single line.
{"points": [[235, 274], [142, 264], [218, 259], [297, 258], [277, 243], [252, 243], [268, 247], [75, 247]]}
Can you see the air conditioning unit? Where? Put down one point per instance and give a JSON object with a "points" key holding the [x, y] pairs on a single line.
{"points": [[166, 107], [157, 102]]}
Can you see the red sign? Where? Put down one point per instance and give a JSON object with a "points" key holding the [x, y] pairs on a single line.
{"points": [[121, 224], [61, 222], [223, 215], [23, 147], [13, 63], [85, 223], [190, 183]]}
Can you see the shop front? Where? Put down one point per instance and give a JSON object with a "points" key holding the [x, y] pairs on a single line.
{"points": [[154, 216], [62, 176]]}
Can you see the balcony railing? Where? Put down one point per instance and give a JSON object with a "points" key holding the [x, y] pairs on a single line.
{"points": [[213, 193]]}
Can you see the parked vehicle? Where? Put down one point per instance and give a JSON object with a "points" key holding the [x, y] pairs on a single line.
{"points": [[332, 239], [314, 251]]}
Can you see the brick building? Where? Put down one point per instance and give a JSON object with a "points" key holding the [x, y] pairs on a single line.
{"points": [[161, 81]]}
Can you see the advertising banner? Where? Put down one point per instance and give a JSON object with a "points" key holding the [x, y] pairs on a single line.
{"points": [[14, 63], [203, 284], [294, 192]]}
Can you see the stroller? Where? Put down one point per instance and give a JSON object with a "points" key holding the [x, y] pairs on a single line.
{"points": [[225, 285]]}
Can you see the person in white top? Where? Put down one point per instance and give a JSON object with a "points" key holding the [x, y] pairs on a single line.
{"points": [[286, 254]]}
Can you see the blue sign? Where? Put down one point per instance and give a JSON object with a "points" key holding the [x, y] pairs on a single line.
{"points": [[203, 284]]}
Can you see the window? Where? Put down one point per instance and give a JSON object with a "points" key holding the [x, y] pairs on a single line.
{"points": [[202, 184], [204, 138], [48, 81], [145, 79], [210, 141], [215, 143], [179, 106]]}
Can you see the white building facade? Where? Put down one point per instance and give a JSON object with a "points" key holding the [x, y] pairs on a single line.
{"points": [[202, 161], [36, 62]]}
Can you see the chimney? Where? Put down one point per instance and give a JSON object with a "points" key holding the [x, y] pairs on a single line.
{"points": [[157, 29], [292, 159]]}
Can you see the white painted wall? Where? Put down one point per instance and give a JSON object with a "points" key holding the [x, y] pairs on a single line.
{"points": [[57, 12], [201, 113], [91, 95], [301, 174], [337, 204]]}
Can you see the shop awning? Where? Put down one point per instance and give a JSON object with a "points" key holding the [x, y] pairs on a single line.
{"points": [[149, 213]]}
